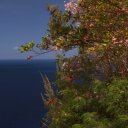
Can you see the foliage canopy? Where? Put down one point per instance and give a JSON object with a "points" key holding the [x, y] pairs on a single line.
{"points": [[93, 85]]}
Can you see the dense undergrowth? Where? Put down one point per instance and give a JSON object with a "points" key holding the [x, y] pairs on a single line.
{"points": [[101, 105]]}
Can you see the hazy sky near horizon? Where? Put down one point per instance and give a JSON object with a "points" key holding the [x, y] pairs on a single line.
{"points": [[22, 21]]}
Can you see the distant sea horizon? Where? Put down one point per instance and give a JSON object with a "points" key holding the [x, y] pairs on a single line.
{"points": [[21, 105]]}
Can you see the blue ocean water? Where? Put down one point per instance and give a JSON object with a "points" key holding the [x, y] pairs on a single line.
{"points": [[20, 87]]}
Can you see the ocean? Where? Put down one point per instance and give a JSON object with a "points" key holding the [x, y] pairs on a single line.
{"points": [[21, 105]]}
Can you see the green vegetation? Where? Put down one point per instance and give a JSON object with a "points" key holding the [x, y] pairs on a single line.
{"points": [[93, 85], [102, 105]]}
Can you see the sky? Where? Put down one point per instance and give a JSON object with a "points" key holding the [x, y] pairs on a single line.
{"points": [[22, 21]]}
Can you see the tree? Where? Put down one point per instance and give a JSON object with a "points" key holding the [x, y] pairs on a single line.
{"points": [[99, 30]]}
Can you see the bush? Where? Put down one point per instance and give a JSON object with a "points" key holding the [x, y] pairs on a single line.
{"points": [[102, 105]]}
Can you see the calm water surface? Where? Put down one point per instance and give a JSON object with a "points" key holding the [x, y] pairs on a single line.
{"points": [[20, 87]]}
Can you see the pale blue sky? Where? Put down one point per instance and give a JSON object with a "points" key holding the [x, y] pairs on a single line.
{"points": [[22, 21]]}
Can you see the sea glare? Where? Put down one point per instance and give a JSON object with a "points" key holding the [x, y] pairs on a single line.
{"points": [[20, 88]]}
